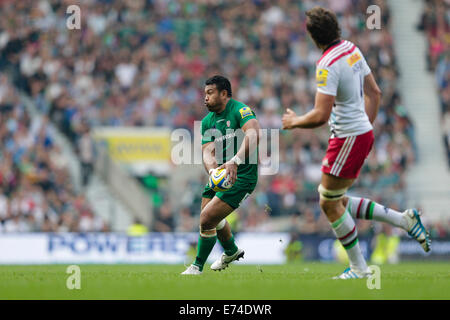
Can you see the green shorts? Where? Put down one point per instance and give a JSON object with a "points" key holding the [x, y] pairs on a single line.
{"points": [[233, 197]]}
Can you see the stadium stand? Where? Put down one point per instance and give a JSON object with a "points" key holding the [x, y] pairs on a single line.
{"points": [[36, 191], [149, 70], [436, 26]]}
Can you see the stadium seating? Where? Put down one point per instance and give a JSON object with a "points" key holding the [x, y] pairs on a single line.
{"points": [[35, 187], [436, 26]]}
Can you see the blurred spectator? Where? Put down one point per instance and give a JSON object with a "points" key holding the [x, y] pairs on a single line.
{"points": [[385, 245], [308, 224], [186, 222], [137, 229], [164, 221], [86, 155]]}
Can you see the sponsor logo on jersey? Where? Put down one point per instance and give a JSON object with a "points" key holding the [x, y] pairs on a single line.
{"points": [[354, 58], [245, 112], [225, 137], [220, 120], [321, 77], [228, 123]]}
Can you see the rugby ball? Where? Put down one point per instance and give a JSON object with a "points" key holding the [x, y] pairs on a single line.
{"points": [[219, 181]]}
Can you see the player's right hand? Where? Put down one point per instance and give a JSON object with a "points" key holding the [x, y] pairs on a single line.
{"points": [[231, 168], [288, 119]]}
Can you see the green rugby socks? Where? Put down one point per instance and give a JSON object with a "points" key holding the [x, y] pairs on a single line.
{"points": [[229, 246], [205, 245]]}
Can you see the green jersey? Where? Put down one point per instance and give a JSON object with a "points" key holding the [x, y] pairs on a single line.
{"points": [[224, 129]]}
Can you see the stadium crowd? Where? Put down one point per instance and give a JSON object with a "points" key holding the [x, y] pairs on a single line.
{"points": [[36, 192], [435, 23], [144, 63]]}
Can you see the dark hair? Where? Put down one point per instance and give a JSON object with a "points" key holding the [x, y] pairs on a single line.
{"points": [[323, 26], [221, 83]]}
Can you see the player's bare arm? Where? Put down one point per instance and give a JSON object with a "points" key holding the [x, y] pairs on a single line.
{"points": [[251, 130], [372, 97], [209, 156], [314, 118]]}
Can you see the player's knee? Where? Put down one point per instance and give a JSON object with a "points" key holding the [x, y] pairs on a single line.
{"points": [[327, 206], [207, 227], [208, 232], [331, 195], [206, 221], [331, 200], [205, 224]]}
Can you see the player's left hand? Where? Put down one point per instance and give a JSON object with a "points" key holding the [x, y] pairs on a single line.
{"points": [[288, 119], [231, 169]]}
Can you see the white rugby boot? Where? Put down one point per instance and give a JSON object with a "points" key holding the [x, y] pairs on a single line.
{"points": [[416, 229], [192, 270], [225, 260], [353, 274]]}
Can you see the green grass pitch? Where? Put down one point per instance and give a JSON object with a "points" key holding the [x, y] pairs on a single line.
{"points": [[419, 280]]}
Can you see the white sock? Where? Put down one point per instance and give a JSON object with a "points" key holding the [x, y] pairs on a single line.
{"points": [[345, 230], [361, 208]]}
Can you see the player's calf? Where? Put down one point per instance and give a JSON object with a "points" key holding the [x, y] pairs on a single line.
{"points": [[343, 226], [226, 238], [206, 241]]}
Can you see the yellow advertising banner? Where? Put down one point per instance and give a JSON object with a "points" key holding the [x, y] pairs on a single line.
{"points": [[136, 145]]}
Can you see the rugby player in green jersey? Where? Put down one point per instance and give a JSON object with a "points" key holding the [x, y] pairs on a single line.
{"points": [[226, 121]]}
